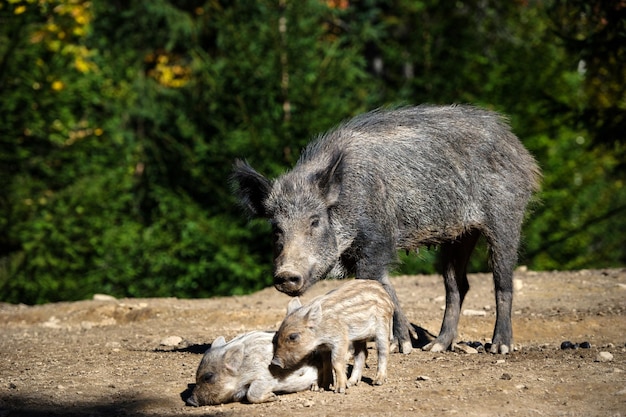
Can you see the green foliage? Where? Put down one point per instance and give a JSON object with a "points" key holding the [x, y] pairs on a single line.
{"points": [[119, 122]]}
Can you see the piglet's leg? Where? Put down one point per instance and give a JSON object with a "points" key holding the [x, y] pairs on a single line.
{"points": [[260, 392], [401, 326], [360, 356], [382, 347], [338, 357]]}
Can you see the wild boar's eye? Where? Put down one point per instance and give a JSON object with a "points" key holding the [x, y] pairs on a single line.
{"points": [[208, 378], [293, 337], [276, 230], [315, 222], [277, 234]]}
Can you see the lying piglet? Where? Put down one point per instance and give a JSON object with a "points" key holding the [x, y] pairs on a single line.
{"points": [[357, 311], [240, 370]]}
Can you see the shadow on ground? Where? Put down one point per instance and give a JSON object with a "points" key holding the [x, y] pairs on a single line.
{"points": [[29, 406]]}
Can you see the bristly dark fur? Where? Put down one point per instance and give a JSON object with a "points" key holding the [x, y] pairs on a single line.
{"points": [[401, 179]]}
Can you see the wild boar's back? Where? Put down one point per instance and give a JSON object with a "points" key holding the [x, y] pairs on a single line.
{"points": [[429, 172]]}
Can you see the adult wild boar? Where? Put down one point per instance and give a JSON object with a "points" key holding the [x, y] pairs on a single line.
{"points": [[401, 179]]}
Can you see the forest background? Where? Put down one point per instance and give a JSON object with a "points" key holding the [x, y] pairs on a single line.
{"points": [[120, 121]]}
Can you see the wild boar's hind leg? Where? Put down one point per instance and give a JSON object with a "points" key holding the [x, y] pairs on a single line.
{"points": [[503, 260], [455, 256]]}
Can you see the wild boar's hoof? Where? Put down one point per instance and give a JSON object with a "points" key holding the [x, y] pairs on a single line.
{"points": [[406, 347], [499, 348], [435, 346]]}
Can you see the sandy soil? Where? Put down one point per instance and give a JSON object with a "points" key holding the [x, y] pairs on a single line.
{"points": [[105, 358]]}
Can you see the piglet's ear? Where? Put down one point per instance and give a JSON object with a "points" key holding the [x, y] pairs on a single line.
{"points": [[293, 305], [314, 316], [220, 341], [251, 187], [233, 358], [329, 180]]}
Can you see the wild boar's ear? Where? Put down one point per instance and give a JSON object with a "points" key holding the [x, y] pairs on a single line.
{"points": [[220, 341], [329, 179], [293, 305], [250, 187], [233, 358], [314, 316]]}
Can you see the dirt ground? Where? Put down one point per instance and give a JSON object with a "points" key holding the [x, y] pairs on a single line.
{"points": [[107, 358]]}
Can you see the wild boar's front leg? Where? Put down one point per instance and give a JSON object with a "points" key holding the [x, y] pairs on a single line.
{"points": [[373, 266], [377, 255], [401, 325]]}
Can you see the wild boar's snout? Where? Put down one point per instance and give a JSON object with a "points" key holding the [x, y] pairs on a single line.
{"points": [[288, 282], [292, 266]]}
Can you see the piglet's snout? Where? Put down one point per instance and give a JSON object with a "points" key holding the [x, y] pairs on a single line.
{"points": [[277, 362], [192, 401]]}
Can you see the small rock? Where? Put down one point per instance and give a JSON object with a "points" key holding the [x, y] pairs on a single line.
{"points": [[568, 345], [585, 345], [87, 325], [52, 323], [518, 284], [506, 376], [171, 341], [500, 361], [103, 297], [521, 386], [604, 357], [422, 378], [474, 313], [308, 403]]}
